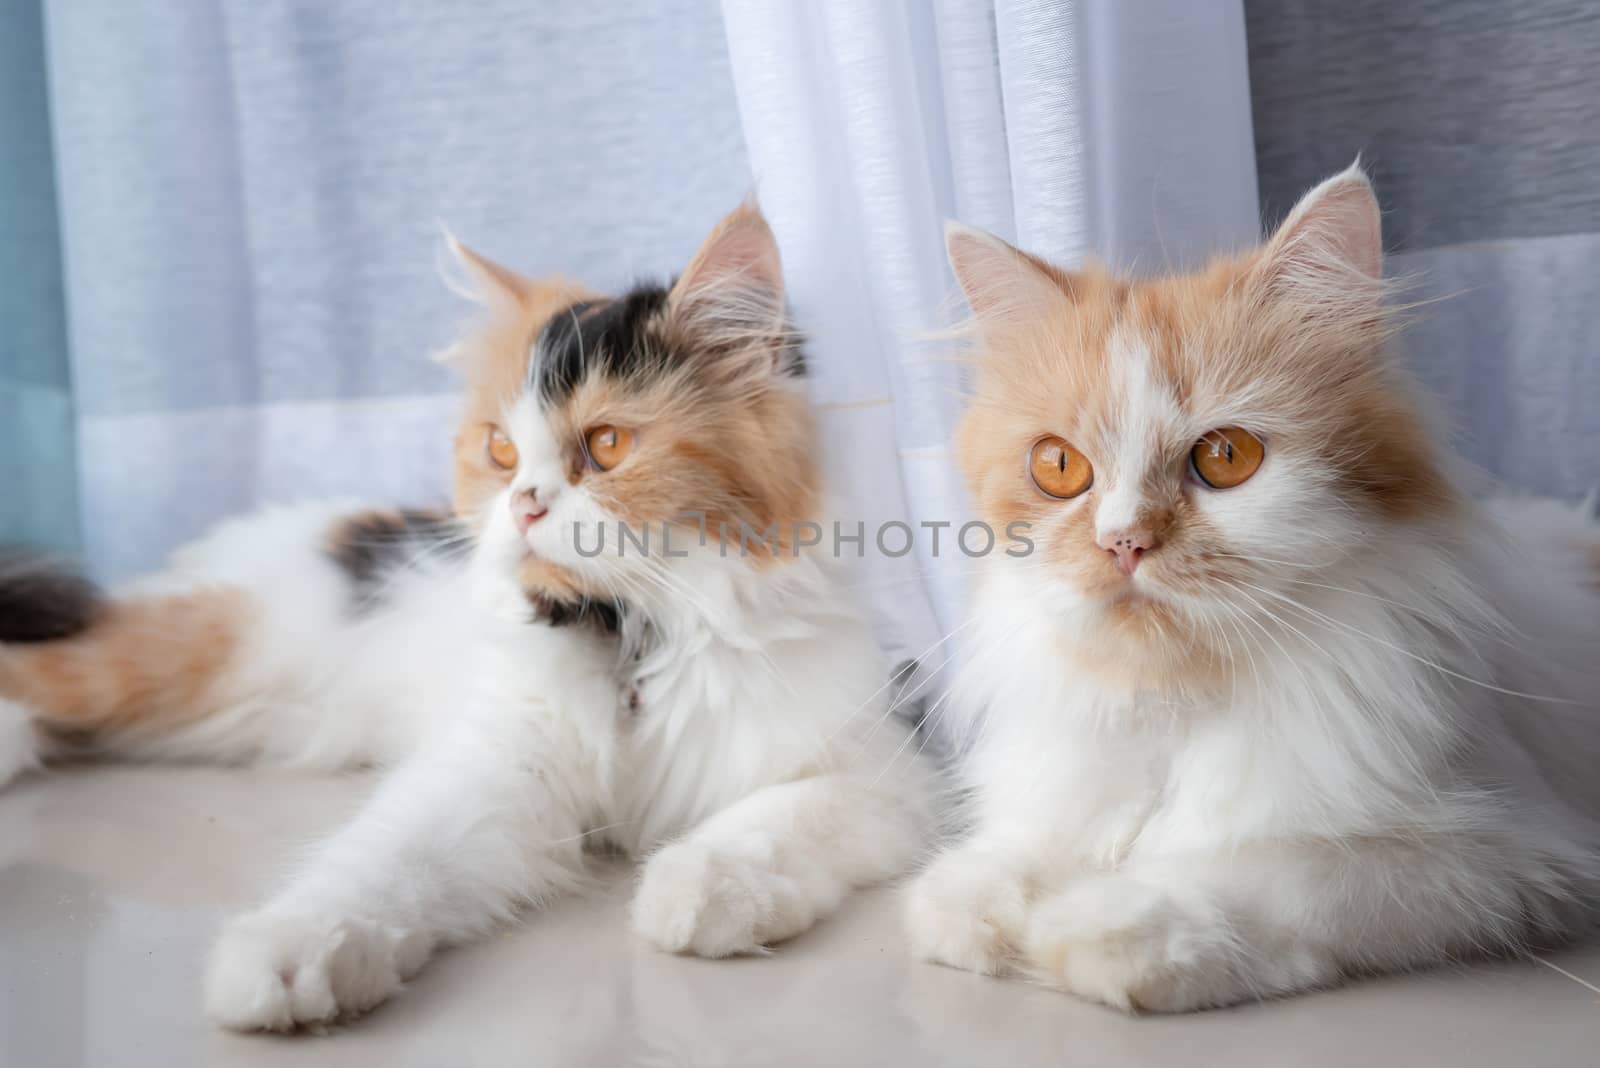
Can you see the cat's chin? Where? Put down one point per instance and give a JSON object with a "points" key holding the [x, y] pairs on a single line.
{"points": [[544, 579], [1141, 644], [1127, 597]]}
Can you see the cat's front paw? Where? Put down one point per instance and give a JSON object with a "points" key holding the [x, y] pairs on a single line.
{"points": [[1134, 946], [277, 971], [965, 913], [693, 899]]}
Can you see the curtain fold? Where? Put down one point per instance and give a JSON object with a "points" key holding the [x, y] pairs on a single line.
{"points": [[1076, 128]]}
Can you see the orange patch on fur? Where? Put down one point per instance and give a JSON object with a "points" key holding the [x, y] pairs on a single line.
{"points": [[496, 358], [145, 663], [1311, 366], [541, 577], [737, 456]]}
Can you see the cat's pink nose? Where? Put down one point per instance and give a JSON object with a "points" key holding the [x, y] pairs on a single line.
{"points": [[1128, 546], [527, 509]]}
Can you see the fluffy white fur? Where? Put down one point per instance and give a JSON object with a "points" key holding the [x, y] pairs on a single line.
{"points": [[1403, 769], [750, 775], [760, 772]]}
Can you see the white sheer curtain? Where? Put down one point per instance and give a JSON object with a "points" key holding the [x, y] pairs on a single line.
{"points": [[1104, 127], [251, 197]]}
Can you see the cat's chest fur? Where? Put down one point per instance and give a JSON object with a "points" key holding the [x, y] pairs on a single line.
{"points": [[1158, 783], [704, 730], [1109, 771], [737, 694]]}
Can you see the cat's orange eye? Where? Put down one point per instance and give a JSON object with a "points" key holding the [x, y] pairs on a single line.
{"points": [[608, 446], [501, 452], [1224, 458], [1058, 469]]}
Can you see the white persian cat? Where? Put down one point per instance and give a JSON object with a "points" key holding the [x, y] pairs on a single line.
{"points": [[1274, 702], [717, 707]]}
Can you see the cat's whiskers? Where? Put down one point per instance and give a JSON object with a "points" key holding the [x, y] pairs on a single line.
{"points": [[926, 728], [1311, 566], [1315, 707], [1329, 623], [905, 696], [588, 832], [1289, 658], [937, 712], [1498, 628], [1486, 622], [1244, 643], [1404, 752], [934, 717], [901, 697], [1231, 658]]}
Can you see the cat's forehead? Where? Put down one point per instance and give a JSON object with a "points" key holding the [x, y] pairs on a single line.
{"points": [[1143, 397], [614, 337], [1155, 354], [1183, 328], [1105, 363]]}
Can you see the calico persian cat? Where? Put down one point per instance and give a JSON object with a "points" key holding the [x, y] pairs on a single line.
{"points": [[750, 757], [1274, 702]]}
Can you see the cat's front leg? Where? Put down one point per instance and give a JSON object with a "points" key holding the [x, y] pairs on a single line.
{"points": [[967, 910], [1265, 920], [306, 964], [770, 865], [451, 843], [1136, 945]]}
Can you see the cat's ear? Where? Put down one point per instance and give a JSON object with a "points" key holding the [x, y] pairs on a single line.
{"points": [[1334, 233], [515, 307], [731, 294], [1004, 286], [488, 281]]}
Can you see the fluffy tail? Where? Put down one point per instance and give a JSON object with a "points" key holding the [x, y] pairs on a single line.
{"points": [[41, 601], [82, 665], [308, 636]]}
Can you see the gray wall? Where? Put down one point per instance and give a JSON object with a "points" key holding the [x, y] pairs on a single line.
{"points": [[1480, 122]]}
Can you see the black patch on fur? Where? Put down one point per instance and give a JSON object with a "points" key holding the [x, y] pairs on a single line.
{"points": [[793, 361], [43, 600], [606, 615], [370, 547], [612, 337], [615, 338]]}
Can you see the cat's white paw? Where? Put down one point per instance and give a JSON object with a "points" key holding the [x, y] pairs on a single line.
{"points": [[276, 971], [692, 899], [18, 746], [963, 913], [1134, 946]]}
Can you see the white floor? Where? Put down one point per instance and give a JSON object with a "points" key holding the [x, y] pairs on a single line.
{"points": [[111, 880]]}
